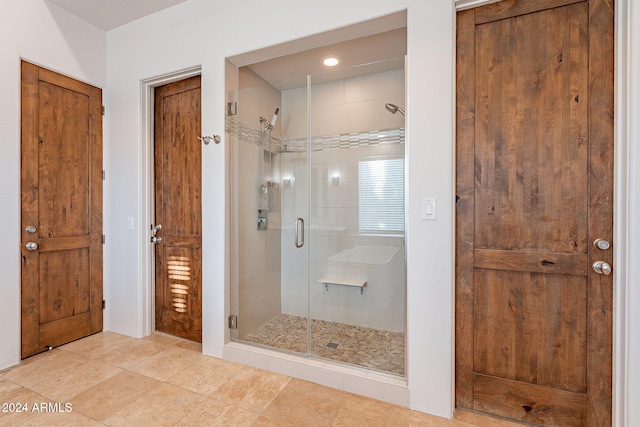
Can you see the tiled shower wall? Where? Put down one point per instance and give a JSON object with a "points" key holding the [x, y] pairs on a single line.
{"points": [[341, 107]]}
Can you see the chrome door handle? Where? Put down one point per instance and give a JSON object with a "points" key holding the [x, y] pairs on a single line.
{"points": [[31, 246], [299, 233], [30, 229], [601, 267]]}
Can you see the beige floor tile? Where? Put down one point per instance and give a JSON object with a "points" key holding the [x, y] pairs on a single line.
{"points": [[304, 403], [162, 338], [251, 389], [480, 420], [120, 359], [67, 384], [62, 419], [21, 401], [104, 399], [165, 405], [96, 345], [206, 375], [190, 345], [213, 412], [358, 410], [46, 366], [166, 363], [420, 419]]}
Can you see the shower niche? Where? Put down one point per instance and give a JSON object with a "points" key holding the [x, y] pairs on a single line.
{"points": [[316, 203]]}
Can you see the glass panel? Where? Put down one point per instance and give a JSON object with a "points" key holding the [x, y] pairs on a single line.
{"points": [[357, 261], [267, 192], [333, 157]]}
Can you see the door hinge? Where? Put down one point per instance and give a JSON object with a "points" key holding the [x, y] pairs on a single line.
{"points": [[104, 239], [104, 304], [103, 110], [104, 175], [233, 322]]}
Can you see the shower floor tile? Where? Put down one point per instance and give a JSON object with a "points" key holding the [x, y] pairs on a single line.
{"points": [[355, 345]]}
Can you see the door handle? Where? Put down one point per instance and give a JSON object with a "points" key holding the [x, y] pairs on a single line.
{"points": [[30, 229], [299, 233], [156, 240], [601, 267], [31, 246]]}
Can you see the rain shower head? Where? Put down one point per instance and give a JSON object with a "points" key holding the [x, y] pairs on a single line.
{"points": [[393, 108]]}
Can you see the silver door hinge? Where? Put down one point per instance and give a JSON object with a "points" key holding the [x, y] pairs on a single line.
{"points": [[103, 110], [233, 322], [104, 239], [104, 304], [104, 175]]}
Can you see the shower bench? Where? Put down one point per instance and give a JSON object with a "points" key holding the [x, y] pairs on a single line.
{"points": [[342, 281]]}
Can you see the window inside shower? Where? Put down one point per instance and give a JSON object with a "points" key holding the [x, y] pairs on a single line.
{"points": [[316, 206]]}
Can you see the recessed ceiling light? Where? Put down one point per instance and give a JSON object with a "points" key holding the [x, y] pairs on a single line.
{"points": [[331, 61]]}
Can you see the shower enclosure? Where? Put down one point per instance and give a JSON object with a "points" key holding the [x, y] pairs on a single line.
{"points": [[316, 214]]}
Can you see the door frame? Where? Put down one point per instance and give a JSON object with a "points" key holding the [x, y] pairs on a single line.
{"points": [[621, 222], [147, 194]]}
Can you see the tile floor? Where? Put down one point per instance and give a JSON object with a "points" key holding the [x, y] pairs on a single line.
{"points": [[114, 380], [355, 345]]}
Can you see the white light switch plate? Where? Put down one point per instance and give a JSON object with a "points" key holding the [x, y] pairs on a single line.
{"points": [[429, 208]]}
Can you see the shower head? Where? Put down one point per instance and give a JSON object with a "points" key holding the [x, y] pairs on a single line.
{"points": [[275, 117], [270, 125], [393, 108]]}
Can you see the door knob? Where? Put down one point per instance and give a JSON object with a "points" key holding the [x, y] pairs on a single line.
{"points": [[601, 267], [30, 229], [31, 246], [156, 240]]}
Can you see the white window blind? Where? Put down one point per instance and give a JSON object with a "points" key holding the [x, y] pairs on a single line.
{"points": [[382, 196]]}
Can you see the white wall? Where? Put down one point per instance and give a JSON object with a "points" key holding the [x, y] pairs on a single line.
{"points": [[46, 35]]}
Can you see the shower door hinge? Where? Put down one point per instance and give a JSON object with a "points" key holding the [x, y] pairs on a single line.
{"points": [[233, 322]]}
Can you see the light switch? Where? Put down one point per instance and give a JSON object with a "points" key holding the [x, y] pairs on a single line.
{"points": [[429, 208]]}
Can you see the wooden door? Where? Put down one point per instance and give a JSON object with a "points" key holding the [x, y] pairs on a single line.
{"points": [[178, 177], [534, 191], [61, 209]]}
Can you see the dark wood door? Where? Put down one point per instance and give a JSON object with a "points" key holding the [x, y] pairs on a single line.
{"points": [[178, 177], [61, 209], [535, 190]]}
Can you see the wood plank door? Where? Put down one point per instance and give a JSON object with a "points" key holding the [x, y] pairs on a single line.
{"points": [[61, 186], [535, 191], [178, 177]]}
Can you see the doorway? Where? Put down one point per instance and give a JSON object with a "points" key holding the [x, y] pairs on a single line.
{"points": [[535, 211], [61, 187], [177, 229]]}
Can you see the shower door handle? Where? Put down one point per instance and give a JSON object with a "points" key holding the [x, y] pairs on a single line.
{"points": [[299, 232]]}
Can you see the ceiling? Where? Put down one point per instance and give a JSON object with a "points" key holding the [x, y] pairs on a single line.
{"points": [[109, 14], [372, 54]]}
